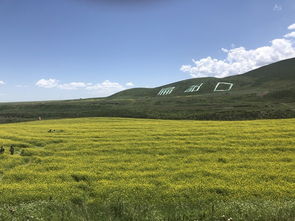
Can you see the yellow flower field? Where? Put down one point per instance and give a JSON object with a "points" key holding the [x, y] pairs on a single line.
{"points": [[139, 169]]}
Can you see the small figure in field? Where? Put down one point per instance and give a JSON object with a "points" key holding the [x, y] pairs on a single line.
{"points": [[39, 118], [50, 131], [11, 150], [2, 150]]}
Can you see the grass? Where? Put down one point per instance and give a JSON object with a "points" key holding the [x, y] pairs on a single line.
{"points": [[139, 169]]}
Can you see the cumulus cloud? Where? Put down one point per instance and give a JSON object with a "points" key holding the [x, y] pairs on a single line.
{"points": [[240, 60], [291, 27], [47, 83], [277, 7], [106, 85], [290, 35], [72, 85], [2, 83], [105, 88], [129, 84]]}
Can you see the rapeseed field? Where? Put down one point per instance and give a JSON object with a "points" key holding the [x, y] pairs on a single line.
{"points": [[140, 169]]}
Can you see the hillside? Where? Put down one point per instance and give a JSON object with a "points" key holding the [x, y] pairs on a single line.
{"points": [[266, 80], [267, 92]]}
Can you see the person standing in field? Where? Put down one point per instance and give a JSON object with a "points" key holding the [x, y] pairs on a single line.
{"points": [[11, 150]]}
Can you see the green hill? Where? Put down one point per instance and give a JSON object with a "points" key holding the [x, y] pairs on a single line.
{"points": [[267, 92], [266, 80]]}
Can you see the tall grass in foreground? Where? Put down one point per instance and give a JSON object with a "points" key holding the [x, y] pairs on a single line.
{"points": [[132, 169]]}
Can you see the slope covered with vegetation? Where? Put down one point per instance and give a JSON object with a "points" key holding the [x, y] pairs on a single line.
{"points": [[139, 169], [268, 92], [263, 81]]}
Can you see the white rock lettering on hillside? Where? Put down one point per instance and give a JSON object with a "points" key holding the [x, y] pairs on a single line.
{"points": [[223, 86], [220, 86], [194, 88], [166, 91]]}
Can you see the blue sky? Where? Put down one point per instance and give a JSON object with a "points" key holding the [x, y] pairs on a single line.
{"points": [[64, 49]]}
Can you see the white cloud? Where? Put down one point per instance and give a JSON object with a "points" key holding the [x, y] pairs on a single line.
{"points": [[49, 83], [105, 88], [2, 83], [129, 84], [291, 27], [290, 35], [277, 7], [240, 60], [106, 85], [72, 85]]}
